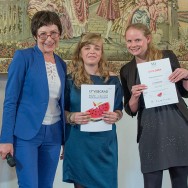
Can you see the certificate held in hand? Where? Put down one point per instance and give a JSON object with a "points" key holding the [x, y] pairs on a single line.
{"points": [[160, 91], [96, 99]]}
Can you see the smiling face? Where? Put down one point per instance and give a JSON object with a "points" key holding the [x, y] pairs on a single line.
{"points": [[49, 44], [137, 43], [91, 53]]}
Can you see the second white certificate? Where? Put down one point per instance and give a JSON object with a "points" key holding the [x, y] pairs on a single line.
{"points": [[160, 91]]}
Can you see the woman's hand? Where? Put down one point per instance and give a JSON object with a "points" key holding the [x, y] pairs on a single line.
{"points": [[5, 149], [111, 117], [80, 117], [137, 90], [178, 74]]}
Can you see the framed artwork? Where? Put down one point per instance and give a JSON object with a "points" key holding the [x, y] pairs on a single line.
{"points": [[167, 19]]}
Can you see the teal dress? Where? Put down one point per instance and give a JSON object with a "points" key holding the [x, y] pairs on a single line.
{"points": [[90, 158]]}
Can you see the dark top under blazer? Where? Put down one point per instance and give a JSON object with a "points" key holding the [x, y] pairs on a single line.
{"points": [[27, 94], [128, 75]]}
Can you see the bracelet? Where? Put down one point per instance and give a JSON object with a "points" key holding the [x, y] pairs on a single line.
{"points": [[118, 118], [69, 118], [119, 115]]}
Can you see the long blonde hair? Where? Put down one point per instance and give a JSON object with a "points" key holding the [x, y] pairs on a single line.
{"points": [[79, 74], [152, 52]]}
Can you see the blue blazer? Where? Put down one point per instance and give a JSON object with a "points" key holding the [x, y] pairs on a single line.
{"points": [[27, 94]]}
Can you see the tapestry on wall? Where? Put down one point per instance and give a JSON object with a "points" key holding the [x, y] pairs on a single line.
{"points": [[167, 19]]}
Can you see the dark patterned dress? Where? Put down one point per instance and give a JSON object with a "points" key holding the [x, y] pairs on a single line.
{"points": [[162, 131], [164, 139]]}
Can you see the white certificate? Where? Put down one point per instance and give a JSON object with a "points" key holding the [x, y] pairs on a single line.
{"points": [[160, 91], [96, 99]]}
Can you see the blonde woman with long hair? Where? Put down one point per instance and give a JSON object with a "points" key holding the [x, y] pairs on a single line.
{"points": [[90, 158]]}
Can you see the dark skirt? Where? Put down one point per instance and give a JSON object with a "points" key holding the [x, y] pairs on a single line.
{"points": [[164, 139]]}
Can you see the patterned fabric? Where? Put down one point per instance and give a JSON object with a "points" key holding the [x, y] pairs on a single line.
{"points": [[109, 9]]}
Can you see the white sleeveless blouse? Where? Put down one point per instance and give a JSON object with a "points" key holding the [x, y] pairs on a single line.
{"points": [[53, 111]]}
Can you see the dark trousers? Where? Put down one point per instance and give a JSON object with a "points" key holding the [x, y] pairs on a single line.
{"points": [[37, 159], [178, 176]]}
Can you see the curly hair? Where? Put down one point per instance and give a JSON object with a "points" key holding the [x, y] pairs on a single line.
{"points": [[78, 72], [152, 52]]}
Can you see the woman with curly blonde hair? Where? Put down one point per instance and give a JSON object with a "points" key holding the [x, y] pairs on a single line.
{"points": [[90, 158], [79, 73]]}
